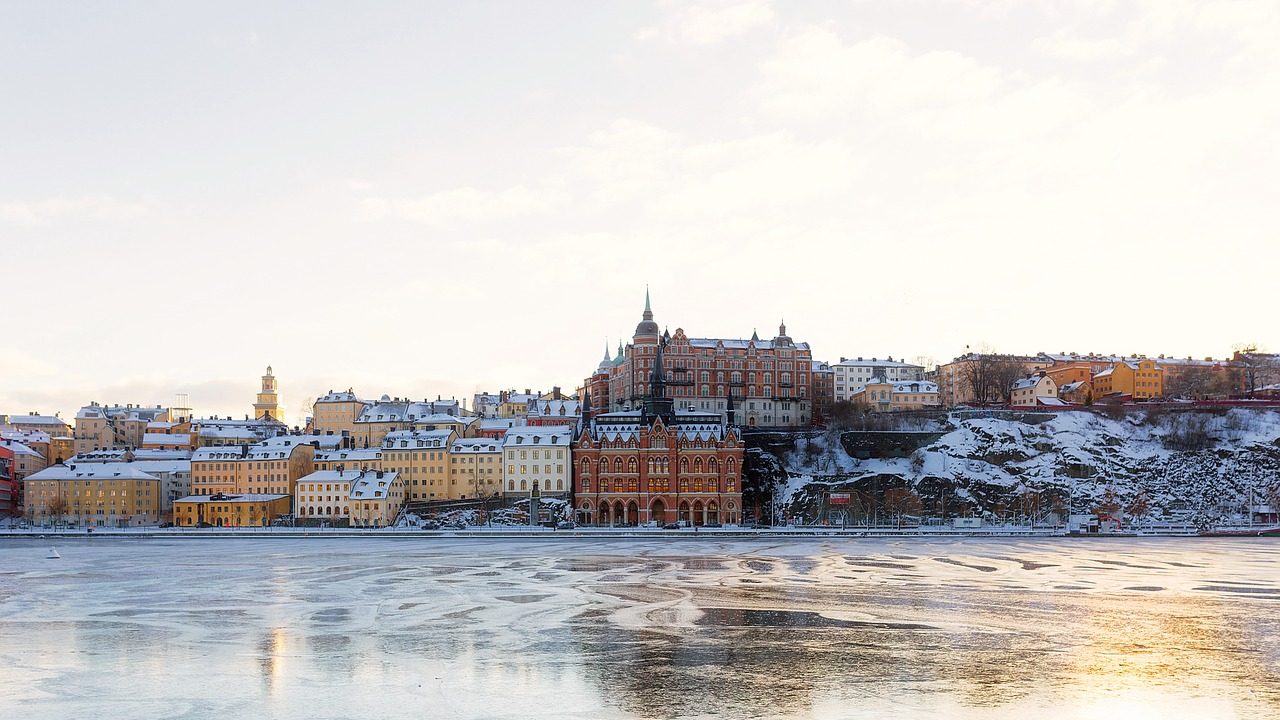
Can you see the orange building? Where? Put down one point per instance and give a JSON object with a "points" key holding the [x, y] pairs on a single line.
{"points": [[1139, 380]]}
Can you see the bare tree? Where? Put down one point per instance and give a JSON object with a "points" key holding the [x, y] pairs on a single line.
{"points": [[1258, 368], [989, 376], [1140, 506], [901, 501], [56, 508], [1108, 505]]}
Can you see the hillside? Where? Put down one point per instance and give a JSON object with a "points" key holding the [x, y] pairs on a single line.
{"points": [[1176, 465]]}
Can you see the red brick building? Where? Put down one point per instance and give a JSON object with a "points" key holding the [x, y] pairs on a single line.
{"points": [[658, 463], [8, 483], [768, 383]]}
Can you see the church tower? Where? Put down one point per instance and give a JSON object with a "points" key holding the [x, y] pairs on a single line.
{"points": [[268, 403]]}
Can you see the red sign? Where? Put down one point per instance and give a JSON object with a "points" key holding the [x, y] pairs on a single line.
{"points": [[838, 498]]}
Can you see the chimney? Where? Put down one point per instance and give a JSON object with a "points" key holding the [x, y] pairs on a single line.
{"points": [[379, 474], [244, 451]]}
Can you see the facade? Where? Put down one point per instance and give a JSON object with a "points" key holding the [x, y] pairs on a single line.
{"points": [[1034, 391], [537, 457], [352, 459], [267, 404], [1139, 380], [1076, 393], [271, 467], [223, 510], [335, 413], [767, 383], [824, 391], [547, 413], [104, 427], [495, 428], [23, 461], [171, 468], [51, 424], [393, 415], [94, 495], [657, 463], [9, 487], [360, 498], [421, 457], [222, 432], [898, 396], [850, 374], [475, 468]]}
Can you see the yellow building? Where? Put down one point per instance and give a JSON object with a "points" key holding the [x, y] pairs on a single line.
{"points": [[370, 498], [421, 457], [376, 498], [271, 467], [108, 427], [35, 422], [97, 495], [268, 402], [336, 413], [1140, 380], [475, 468], [223, 510], [898, 396], [1034, 391]]}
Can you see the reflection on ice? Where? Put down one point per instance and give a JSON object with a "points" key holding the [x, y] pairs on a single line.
{"points": [[602, 629]]}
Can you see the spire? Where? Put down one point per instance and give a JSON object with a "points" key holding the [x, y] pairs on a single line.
{"points": [[647, 309], [606, 349], [755, 337], [658, 403], [782, 328]]}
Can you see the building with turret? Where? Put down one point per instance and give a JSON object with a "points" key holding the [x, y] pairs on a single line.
{"points": [[268, 403], [751, 383], [663, 461]]}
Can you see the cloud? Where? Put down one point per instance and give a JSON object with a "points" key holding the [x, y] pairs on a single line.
{"points": [[93, 207], [466, 205], [813, 74], [1067, 45], [708, 22]]}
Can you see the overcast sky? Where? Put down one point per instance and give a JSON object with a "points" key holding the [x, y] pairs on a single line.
{"points": [[434, 198]]}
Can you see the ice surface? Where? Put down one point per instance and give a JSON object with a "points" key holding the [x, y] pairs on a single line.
{"points": [[613, 628]]}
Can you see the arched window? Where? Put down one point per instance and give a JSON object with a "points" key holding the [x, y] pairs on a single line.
{"points": [[604, 466], [586, 469], [617, 464], [697, 464], [631, 465], [729, 466], [712, 466], [684, 465], [524, 484]]}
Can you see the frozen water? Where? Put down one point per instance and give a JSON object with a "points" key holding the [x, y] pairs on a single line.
{"points": [[613, 628]]}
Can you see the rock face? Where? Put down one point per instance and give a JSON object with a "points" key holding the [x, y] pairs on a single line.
{"points": [[1192, 464]]}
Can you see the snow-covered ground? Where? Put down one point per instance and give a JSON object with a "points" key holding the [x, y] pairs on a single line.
{"points": [[1183, 463]]}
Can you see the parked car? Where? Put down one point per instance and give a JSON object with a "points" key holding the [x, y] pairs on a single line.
{"points": [[671, 526], [566, 525], [455, 525], [430, 525]]}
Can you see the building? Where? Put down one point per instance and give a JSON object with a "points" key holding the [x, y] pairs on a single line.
{"points": [[475, 468], [850, 374], [546, 413], [223, 510], [221, 432], [104, 427], [267, 405], [349, 458], [1129, 380], [1076, 393], [421, 457], [93, 495], [495, 428], [271, 467], [657, 463], [23, 461], [824, 391], [958, 379], [376, 498], [1034, 391], [51, 424], [171, 468], [898, 396], [9, 487], [766, 382], [360, 498], [164, 435], [538, 457], [390, 415], [335, 413]]}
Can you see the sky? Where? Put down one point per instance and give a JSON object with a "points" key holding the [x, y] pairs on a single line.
{"points": [[431, 198]]}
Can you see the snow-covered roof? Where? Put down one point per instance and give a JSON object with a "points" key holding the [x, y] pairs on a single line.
{"points": [[371, 485], [555, 408], [1072, 386], [353, 455], [915, 386], [554, 435], [165, 438], [500, 423], [1050, 401], [18, 448], [475, 446], [406, 411], [36, 420], [157, 454], [730, 344], [92, 471], [874, 362], [25, 436], [417, 438], [337, 397], [324, 442]]}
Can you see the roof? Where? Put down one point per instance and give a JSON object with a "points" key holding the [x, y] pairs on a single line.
{"points": [[555, 408], [166, 439], [18, 448], [336, 397], [917, 386], [371, 485], [554, 435], [1072, 386], [373, 453], [475, 445], [386, 410], [35, 420], [874, 362], [241, 498], [92, 471], [417, 438], [28, 436], [730, 344]]}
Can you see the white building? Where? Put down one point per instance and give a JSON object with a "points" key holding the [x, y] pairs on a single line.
{"points": [[475, 468], [851, 374], [1035, 390], [537, 456], [370, 498]]}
